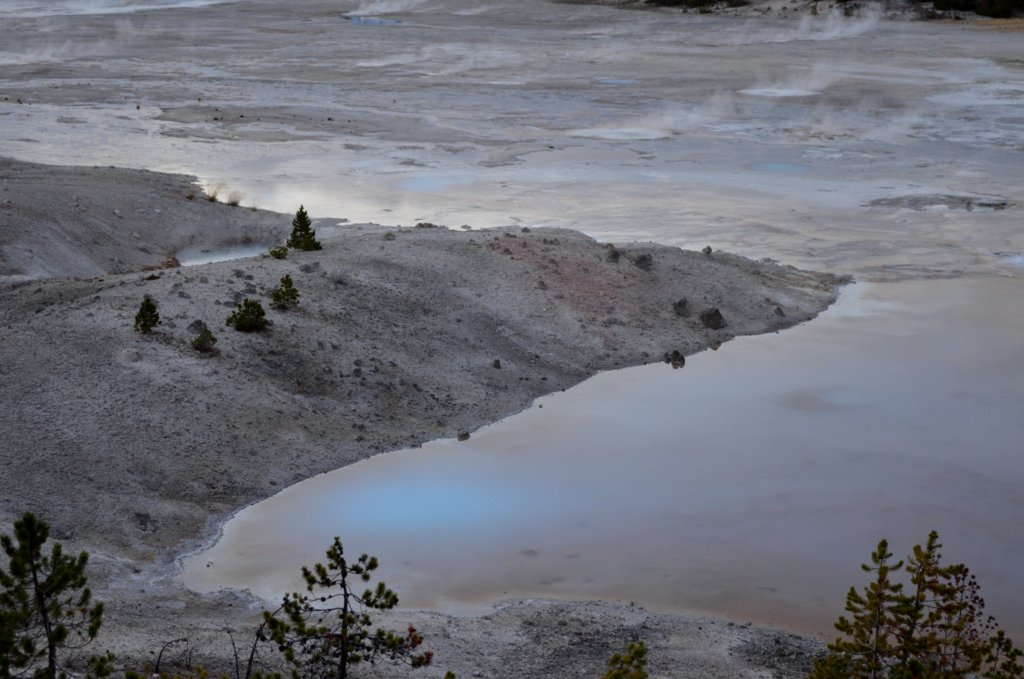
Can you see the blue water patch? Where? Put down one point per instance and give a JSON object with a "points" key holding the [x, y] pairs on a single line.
{"points": [[426, 184], [616, 81], [404, 505], [370, 21], [784, 168]]}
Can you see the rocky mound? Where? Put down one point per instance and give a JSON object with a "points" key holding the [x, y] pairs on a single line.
{"points": [[134, 445]]}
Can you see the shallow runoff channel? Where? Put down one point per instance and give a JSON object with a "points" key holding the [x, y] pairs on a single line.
{"points": [[751, 483]]}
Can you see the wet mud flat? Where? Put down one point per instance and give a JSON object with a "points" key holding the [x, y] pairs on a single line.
{"points": [[820, 141]]}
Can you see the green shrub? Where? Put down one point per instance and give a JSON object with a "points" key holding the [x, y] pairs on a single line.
{"points": [[285, 295], [248, 316], [204, 341], [303, 236], [280, 252], [147, 318], [629, 665]]}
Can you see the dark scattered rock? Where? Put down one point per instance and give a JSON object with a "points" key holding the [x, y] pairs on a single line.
{"points": [[310, 268], [525, 229], [712, 318], [675, 359], [143, 520], [427, 225], [463, 436], [785, 654], [779, 312], [496, 364], [541, 285], [644, 261], [706, 250], [197, 326], [682, 307], [390, 235], [950, 202]]}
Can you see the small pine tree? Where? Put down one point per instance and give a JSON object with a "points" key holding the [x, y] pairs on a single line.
{"points": [[1002, 658], [322, 635], [870, 646], [248, 316], [303, 236], [204, 340], [937, 629], [285, 295], [44, 603], [147, 318], [279, 252]]}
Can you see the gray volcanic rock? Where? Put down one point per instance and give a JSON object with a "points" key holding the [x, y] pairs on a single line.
{"points": [[712, 318]]}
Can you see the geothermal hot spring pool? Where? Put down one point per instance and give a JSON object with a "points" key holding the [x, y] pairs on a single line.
{"points": [[753, 482]]}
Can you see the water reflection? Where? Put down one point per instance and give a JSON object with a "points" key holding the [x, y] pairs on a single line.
{"points": [[370, 21], [752, 483]]}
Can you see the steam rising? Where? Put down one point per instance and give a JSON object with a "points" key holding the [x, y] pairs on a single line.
{"points": [[834, 25], [375, 7], [40, 8]]}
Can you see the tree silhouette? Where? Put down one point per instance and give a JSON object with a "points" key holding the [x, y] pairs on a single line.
{"points": [[323, 634], [44, 603], [303, 236]]}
